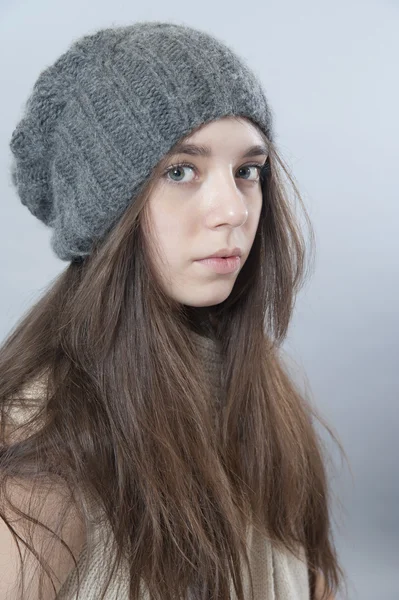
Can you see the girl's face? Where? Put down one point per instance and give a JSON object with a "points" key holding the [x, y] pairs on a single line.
{"points": [[205, 203]]}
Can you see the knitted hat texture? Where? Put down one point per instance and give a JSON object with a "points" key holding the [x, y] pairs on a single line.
{"points": [[105, 113]]}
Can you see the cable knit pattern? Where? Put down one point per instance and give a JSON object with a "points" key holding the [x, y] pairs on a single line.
{"points": [[101, 117]]}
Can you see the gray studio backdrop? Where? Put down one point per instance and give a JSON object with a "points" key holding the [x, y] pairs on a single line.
{"points": [[331, 74]]}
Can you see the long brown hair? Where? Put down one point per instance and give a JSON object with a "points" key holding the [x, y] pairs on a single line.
{"points": [[126, 411]]}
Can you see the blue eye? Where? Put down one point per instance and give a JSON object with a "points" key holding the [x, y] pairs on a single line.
{"points": [[257, 167], [179, 167]]}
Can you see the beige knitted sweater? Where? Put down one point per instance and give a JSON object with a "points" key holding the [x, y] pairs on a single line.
{"points": [[276, 575]]}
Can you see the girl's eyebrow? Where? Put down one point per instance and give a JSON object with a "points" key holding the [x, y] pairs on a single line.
{"points": [[198, 150]]}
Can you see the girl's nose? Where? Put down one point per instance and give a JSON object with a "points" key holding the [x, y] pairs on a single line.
{"points": [[228, 201]]}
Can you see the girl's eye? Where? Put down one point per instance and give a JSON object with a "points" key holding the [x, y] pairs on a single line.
{"points": [[257, 167], [178, 171]]}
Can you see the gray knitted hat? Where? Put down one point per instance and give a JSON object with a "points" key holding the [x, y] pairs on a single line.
{"points": [[106, 112]]}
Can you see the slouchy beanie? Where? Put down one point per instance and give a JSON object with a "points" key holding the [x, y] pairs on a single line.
{"points": [[102, 116]]}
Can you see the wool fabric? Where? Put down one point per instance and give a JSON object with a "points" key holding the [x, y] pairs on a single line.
{"points": [[102, 116]]}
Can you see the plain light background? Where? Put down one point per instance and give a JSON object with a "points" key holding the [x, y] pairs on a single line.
{"points": [[330, 72]]}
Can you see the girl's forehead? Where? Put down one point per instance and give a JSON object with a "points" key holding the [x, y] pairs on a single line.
{"points": [[241, 134]]}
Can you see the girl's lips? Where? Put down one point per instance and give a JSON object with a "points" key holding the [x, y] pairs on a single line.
{"points": [[229, 264]]}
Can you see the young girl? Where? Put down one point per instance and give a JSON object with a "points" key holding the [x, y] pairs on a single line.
{"points": [[153, 444]]}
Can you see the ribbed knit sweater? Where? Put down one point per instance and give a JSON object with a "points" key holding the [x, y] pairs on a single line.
{"points": [[277, 575]]}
